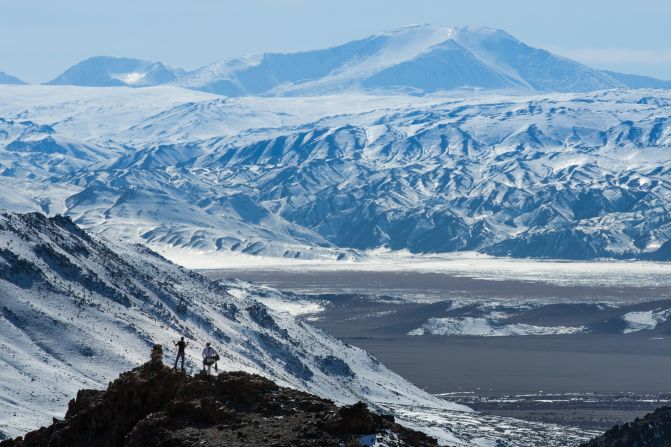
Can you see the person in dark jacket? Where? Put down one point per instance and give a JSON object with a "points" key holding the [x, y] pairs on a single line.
{"points": [[181, 349]]}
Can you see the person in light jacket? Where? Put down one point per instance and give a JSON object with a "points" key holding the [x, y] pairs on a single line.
{"points": [[210, 357]]}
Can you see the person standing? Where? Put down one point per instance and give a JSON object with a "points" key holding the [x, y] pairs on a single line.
{"points": [[210, 357], [181, 349]]}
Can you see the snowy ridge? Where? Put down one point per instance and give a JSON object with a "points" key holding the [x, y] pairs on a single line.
{"points": [[76, 310], [573, 176], [422, 58]]}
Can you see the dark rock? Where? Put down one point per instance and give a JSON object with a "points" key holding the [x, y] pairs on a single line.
{"points": [[653, 430], [335, 366], [154, 405]]}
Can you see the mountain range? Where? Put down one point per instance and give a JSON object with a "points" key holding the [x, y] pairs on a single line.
{"points": [[573, 176], [426, 139], [417, 59]]}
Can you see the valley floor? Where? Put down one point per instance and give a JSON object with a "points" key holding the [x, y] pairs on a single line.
{"points": [[592, 379], [590, 411]]}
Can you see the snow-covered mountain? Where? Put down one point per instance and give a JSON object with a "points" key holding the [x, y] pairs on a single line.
{"points": [[417, 59], [105, 71], [576, 176], [76, 310], [420, 58], [9, 79]]}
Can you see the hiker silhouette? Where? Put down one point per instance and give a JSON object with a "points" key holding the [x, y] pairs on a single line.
{"points": [[181, 350]]}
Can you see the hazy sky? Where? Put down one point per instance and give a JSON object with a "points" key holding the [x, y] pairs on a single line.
{"points": [[39, 39]]}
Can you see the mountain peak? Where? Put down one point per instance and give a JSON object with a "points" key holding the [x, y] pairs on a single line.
{"points": [[418, 28], [108, 71], [416, 58], [447, 31], [484, 32]]}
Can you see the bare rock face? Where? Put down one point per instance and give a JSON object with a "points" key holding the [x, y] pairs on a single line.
{"points": [[154, 405], [652, 430]]}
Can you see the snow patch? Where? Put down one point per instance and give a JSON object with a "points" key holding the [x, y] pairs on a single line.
{"points": [[129, 78], [648, 320], [486, 327]]}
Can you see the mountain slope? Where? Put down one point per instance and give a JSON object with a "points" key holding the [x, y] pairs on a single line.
{"points": [[9, 79], [76, 310], [104, 71], [638, 81], [417, 58]]}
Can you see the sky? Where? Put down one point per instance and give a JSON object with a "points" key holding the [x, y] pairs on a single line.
{"points": [[39, 39]]}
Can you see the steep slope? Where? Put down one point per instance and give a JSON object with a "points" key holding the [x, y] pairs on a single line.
{"points": [[536, 68], [106, 303], [9, 79], [105, 71], [420, 58], [153, 405]]}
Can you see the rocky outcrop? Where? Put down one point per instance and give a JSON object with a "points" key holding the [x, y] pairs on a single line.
{"points": [[652, 430], [154, 405]]}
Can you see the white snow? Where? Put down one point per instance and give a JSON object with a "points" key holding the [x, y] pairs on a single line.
{"points": [[465, 264], [129, 78], [485, 327], [647, 320]]}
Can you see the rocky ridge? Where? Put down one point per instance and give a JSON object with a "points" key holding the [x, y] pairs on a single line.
{"points": [[652, 430], [153, 405]]}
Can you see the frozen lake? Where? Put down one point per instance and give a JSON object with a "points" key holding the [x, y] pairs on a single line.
{"points": [[523, 281]]}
